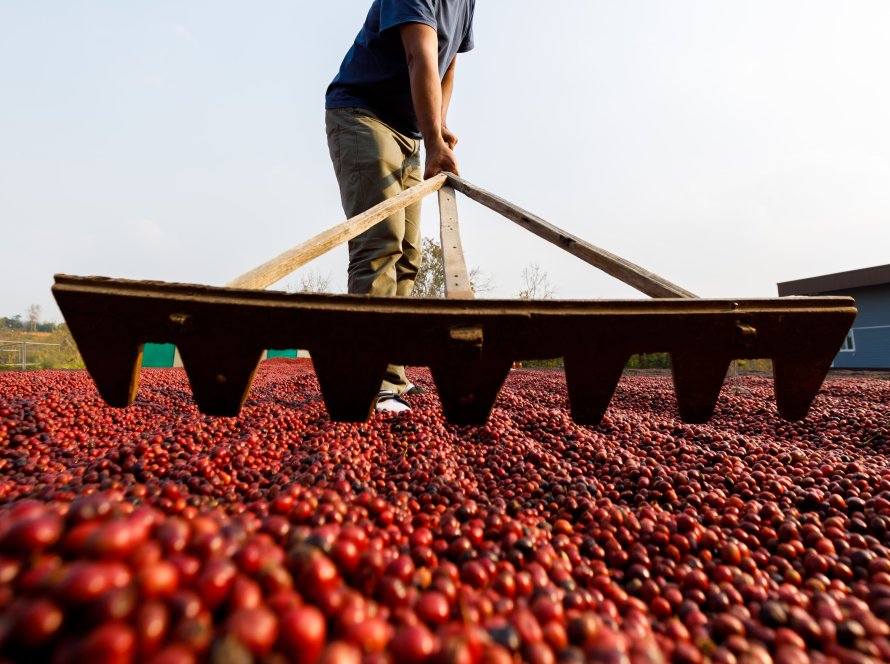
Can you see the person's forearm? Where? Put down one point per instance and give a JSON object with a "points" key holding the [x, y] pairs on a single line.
{"points": [[421, 52], [447, 87], [422, 55]]}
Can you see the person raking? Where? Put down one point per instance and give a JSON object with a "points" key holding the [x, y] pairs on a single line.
{"points": [[393, 89]]}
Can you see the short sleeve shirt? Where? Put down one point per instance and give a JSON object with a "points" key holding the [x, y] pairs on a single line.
{"points": [[374, 73]]}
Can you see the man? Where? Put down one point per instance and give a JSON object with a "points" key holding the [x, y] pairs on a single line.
{"points": [[394, 88]]}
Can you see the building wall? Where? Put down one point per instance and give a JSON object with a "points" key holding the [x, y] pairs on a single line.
{"points": [[158, 355], [871, 329], [167, 355], [271, 353]]}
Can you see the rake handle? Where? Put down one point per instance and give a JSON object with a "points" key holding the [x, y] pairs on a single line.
{"points": [[457, 279], [633, 275], [457, 285], [276, 269]]}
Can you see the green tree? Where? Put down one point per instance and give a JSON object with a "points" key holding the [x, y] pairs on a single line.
{"points": [[430, 281], [14, 323]]}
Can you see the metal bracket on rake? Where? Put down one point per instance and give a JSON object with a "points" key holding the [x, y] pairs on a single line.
{"points": [[468, 344]]}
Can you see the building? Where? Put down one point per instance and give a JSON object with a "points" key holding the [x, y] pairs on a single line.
{"points": [[160, 356], [867, 345], [165, 356]]}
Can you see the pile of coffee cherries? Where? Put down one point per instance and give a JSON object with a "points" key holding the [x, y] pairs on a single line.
{"points": [[156, 534]]}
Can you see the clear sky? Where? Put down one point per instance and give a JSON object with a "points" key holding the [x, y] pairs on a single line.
{"points": [[725, 145]]}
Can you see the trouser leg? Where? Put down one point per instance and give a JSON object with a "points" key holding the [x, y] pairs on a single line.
{"points": [[409, 263], [373, 162]]}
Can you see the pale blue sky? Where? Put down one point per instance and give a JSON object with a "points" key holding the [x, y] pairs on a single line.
{"points": [[725, 145]]}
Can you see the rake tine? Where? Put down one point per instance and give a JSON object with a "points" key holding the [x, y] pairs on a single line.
{"points": [[220, 382], [697, 382], [591, 379], [468, 388], [113, 362], [797, 381], [349, 380]]}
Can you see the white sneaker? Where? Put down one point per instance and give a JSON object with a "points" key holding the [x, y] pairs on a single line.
{"points": [[390, 402]]}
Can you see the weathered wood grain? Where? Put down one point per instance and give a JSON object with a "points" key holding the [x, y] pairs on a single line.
{"points": [[457, 279]]}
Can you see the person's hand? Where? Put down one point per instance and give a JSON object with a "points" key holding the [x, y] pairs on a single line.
{"points": [[449, 137], [439, 159]]}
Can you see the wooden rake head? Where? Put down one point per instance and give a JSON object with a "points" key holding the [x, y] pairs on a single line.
{"points": [[468, 344]]}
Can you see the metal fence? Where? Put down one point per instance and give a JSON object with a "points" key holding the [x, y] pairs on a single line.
{"points": [[11, 348]]}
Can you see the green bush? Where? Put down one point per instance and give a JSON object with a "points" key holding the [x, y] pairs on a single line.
{"points": [[649, 361]]}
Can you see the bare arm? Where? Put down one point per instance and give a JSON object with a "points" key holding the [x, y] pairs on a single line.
{"points": [[422, 53], [447, 87]]}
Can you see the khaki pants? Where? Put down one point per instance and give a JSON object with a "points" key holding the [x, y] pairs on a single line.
{"points": [[374, 162]]}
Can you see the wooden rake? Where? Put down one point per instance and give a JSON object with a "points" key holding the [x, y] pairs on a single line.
{"points": [[468, 344]]}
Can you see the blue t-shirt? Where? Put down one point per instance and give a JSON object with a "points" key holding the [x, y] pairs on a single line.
{"points": [[374, 73]]}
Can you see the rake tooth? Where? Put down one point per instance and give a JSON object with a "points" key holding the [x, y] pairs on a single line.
{"points": [[113, 363], [697, 382], [591, 379], [111, 352], [468, 389], [797, 381], [220, 376], [349, 380]]}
